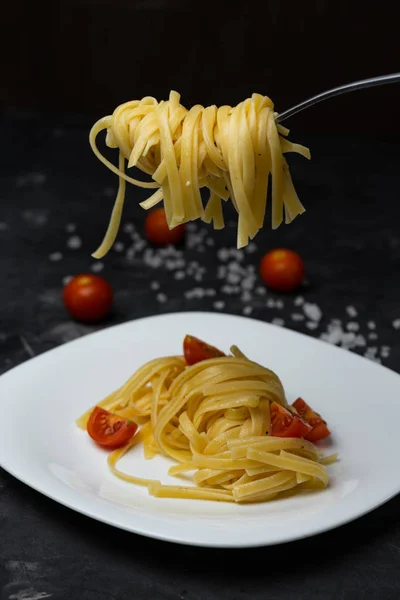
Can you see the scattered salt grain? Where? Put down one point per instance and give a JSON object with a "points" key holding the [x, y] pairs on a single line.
{"points": [[74, 242], [312, 311], [219, 305], [297, 317], [277, 321], [260, 290], [396, 323], [179, 275], [247, 310], [70, 227], [311, 325], [128, 227], [251, 248], [55, 256], [162, 298], [371, 325], [119, 246], [371, 354], [210, 242], [191, 227], [279, 304], [352, 312], [230, 289], [246, 296], [352, 326], [66, 279], [210, 292], [97, 267], [360, 341], [154, 285], [195, 293], [372, 335], [385, 351], [270, 303], [298, 301]]}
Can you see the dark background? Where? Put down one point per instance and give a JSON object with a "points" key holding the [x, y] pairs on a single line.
{"points": [[66, 63], [88, 56]]}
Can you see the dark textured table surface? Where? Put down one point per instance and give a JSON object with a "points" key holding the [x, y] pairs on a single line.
{"points": [[55, 202]]}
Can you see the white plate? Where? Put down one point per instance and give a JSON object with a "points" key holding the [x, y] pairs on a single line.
{"points": [[41, 446]]}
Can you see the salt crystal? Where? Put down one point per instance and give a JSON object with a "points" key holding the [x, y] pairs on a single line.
{"points": [[246, 296], [385, 351], [233, 278], [371, 325], [179, 275], [247, 310], [97, 267], [352, 326], [70, 227], [210, 242], [311, 325], [278, 321], [230, 289], [351, 311], [396, 323], [162, 298], [191, 226], [198, 277], [74, 242], [247, 283], [372, 336], [219, 305], [119, 246], [3, 226], [312, 311], [297, 317], [334, 335], [360, 340], [298, 301], [154, 285], [279, 304], [260, 291], [210, 292], [128, 227], [270, 303], [66, 279], [251, 248], [55, 256]]}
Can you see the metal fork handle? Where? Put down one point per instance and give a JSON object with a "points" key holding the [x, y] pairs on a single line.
{"points": [[341, 89]]}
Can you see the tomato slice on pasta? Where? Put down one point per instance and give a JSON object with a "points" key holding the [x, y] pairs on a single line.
{"points": [[109, 430], [320, 429], [196, 350], [286, 424]]}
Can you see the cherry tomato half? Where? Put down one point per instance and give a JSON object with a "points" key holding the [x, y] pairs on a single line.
{"points": [[109, 430], [282, 270], [286, 424], [196, 350], [88, 298], [320, 429], [157, 230]]}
